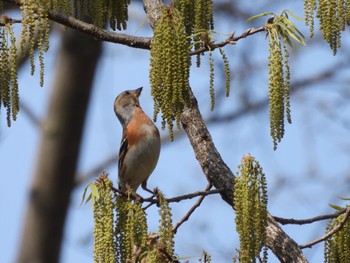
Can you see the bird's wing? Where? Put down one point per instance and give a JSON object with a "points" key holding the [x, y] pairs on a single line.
{"points": [[124, 145]]}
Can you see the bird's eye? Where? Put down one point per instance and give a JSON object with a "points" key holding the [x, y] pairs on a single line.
{"points": [[127, 92]]}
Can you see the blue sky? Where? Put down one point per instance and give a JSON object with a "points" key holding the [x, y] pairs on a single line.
{"points": [[309, 169]]}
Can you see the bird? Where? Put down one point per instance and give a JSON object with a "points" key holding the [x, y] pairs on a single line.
{"points": [[140, 144]]}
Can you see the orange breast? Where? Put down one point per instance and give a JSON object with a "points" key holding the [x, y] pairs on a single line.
{"points": [[133, 130]]}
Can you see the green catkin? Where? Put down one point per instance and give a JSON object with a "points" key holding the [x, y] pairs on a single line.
{"points": [[131, 229], [211, 81], [279, 31], [35, 35], [184, 25], [9, 97], [309, 9], [5, 88], [250, 203], [198, 17], [337, 246], [13, 73], [333, 17], [276, 90], [166, 228], [227, 72], [286, 83], [169, 68], [104, 244]]}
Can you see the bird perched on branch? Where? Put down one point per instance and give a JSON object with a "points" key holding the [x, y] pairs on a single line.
{"points": [[140, 144]]}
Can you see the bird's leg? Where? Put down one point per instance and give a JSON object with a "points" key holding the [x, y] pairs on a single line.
{"points": [[144, 187]]}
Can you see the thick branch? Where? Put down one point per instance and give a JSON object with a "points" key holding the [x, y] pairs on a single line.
{"points": [[218, 173], [284, 247], [221, 176]]}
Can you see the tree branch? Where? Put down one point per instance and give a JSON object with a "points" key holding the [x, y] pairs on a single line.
{"points": [[285, 221], [330, 233], [175, 199], [96, 32], [128, 40], [230, 40], [6, 20], [194, 207]]}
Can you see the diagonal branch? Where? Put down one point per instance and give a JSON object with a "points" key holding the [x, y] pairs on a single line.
{"points": [[189, 213], [92, 30], [285, 221], [330, 233], [218, 173]]}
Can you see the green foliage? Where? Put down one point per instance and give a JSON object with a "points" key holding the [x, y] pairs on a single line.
{"points": [[35, 35], [120, 231], [169, 69], [165, 225], [250, 203], [198, 17], [130, 231], [281, 31], [309, 8], [199, 24], [185, 25], [103, 206], [203, 23], [333, 17], [211, 81], [9, 97], [337, 247], [211, 76], [227, 72]]}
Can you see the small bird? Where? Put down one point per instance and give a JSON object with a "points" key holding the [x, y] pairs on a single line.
{"points": [[140, 144]]}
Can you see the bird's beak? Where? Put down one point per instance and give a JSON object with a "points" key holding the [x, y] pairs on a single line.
{"points": [[138, 92]]}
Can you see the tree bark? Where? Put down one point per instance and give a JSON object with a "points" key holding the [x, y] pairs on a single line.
{"points": [[61, 135]]}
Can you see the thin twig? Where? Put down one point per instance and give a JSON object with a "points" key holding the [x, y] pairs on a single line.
{"points": [[230, 40], [151, 200], [6, 20], [285, 221], [194, 207], [193, 195], [186, 196], [330, 233]]}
